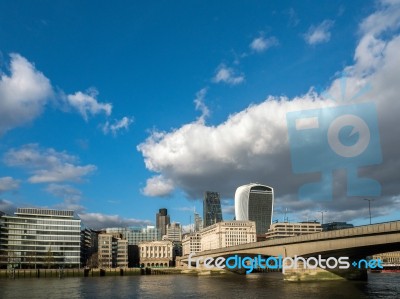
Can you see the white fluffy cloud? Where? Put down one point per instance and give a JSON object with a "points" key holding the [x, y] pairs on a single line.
{"points": [[252, 145], [23, 94], [86, 103], [227, 75], [319, 34], [261, 44], [158, 186], [117, 126], [8, 183], [47, 165], [197, 157], [98, 221]]}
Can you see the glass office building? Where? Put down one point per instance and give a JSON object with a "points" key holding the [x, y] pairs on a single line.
{"points": [[40, 238], [255, 202], [212, 212], [136, 235]]}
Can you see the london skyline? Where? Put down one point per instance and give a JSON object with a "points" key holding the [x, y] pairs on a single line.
{"points": [[118, 111]]}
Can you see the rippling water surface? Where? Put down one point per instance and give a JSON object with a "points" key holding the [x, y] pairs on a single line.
{"points": [[271, 285]]}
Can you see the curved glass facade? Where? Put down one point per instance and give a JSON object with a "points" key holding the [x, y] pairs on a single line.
{"points": [[255, 202]]}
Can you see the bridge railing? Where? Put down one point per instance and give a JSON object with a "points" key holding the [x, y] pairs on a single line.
{"points": [[385, 227], [378, 228]]}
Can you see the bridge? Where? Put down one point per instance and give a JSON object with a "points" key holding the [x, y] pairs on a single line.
{"points": [[356, 243]]}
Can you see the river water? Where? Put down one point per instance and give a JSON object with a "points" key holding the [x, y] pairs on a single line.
{"points": [[271, 285]]}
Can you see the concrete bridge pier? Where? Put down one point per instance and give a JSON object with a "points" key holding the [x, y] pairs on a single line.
{"points": [[319, 274]]}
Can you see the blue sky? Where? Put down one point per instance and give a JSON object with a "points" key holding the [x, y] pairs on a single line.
{"points": [[117, 110]]}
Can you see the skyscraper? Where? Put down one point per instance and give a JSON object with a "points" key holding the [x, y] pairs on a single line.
{"points": [[162, 220], [255, 202], [212, 212]]}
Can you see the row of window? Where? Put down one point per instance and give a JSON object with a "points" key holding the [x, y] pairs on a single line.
{"points": [[144, 255], [53, 245], [39, 254], [44, 238], [46, 227], [41, 232], [45, 212], [40, 221], [152, 248]]}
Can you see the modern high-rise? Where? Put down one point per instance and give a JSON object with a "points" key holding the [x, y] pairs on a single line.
{"points": [[212, 212], [162, 220], [255, 202], [40, 238]]}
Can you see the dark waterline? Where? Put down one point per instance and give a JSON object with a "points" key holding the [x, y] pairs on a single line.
{"points": [[271, 285]]}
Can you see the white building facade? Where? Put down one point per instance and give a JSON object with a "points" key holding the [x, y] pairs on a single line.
{"points": [[227, 233], [156, 253]]}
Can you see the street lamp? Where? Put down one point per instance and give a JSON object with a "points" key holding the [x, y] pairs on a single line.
{"points": [[369, 208], [322, 216]]}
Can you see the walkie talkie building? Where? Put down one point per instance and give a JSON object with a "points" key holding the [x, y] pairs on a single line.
{"points": [[255, 202]]}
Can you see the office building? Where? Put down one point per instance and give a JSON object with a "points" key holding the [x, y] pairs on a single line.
{"points": [[40, 238], [122, 253], [291, 229], [212, 212], [191, 243], [227, 233], [255, 202], [134, 236], [156, 254], [89, 246], [112, 251], [174, 232], [162, 220]]}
